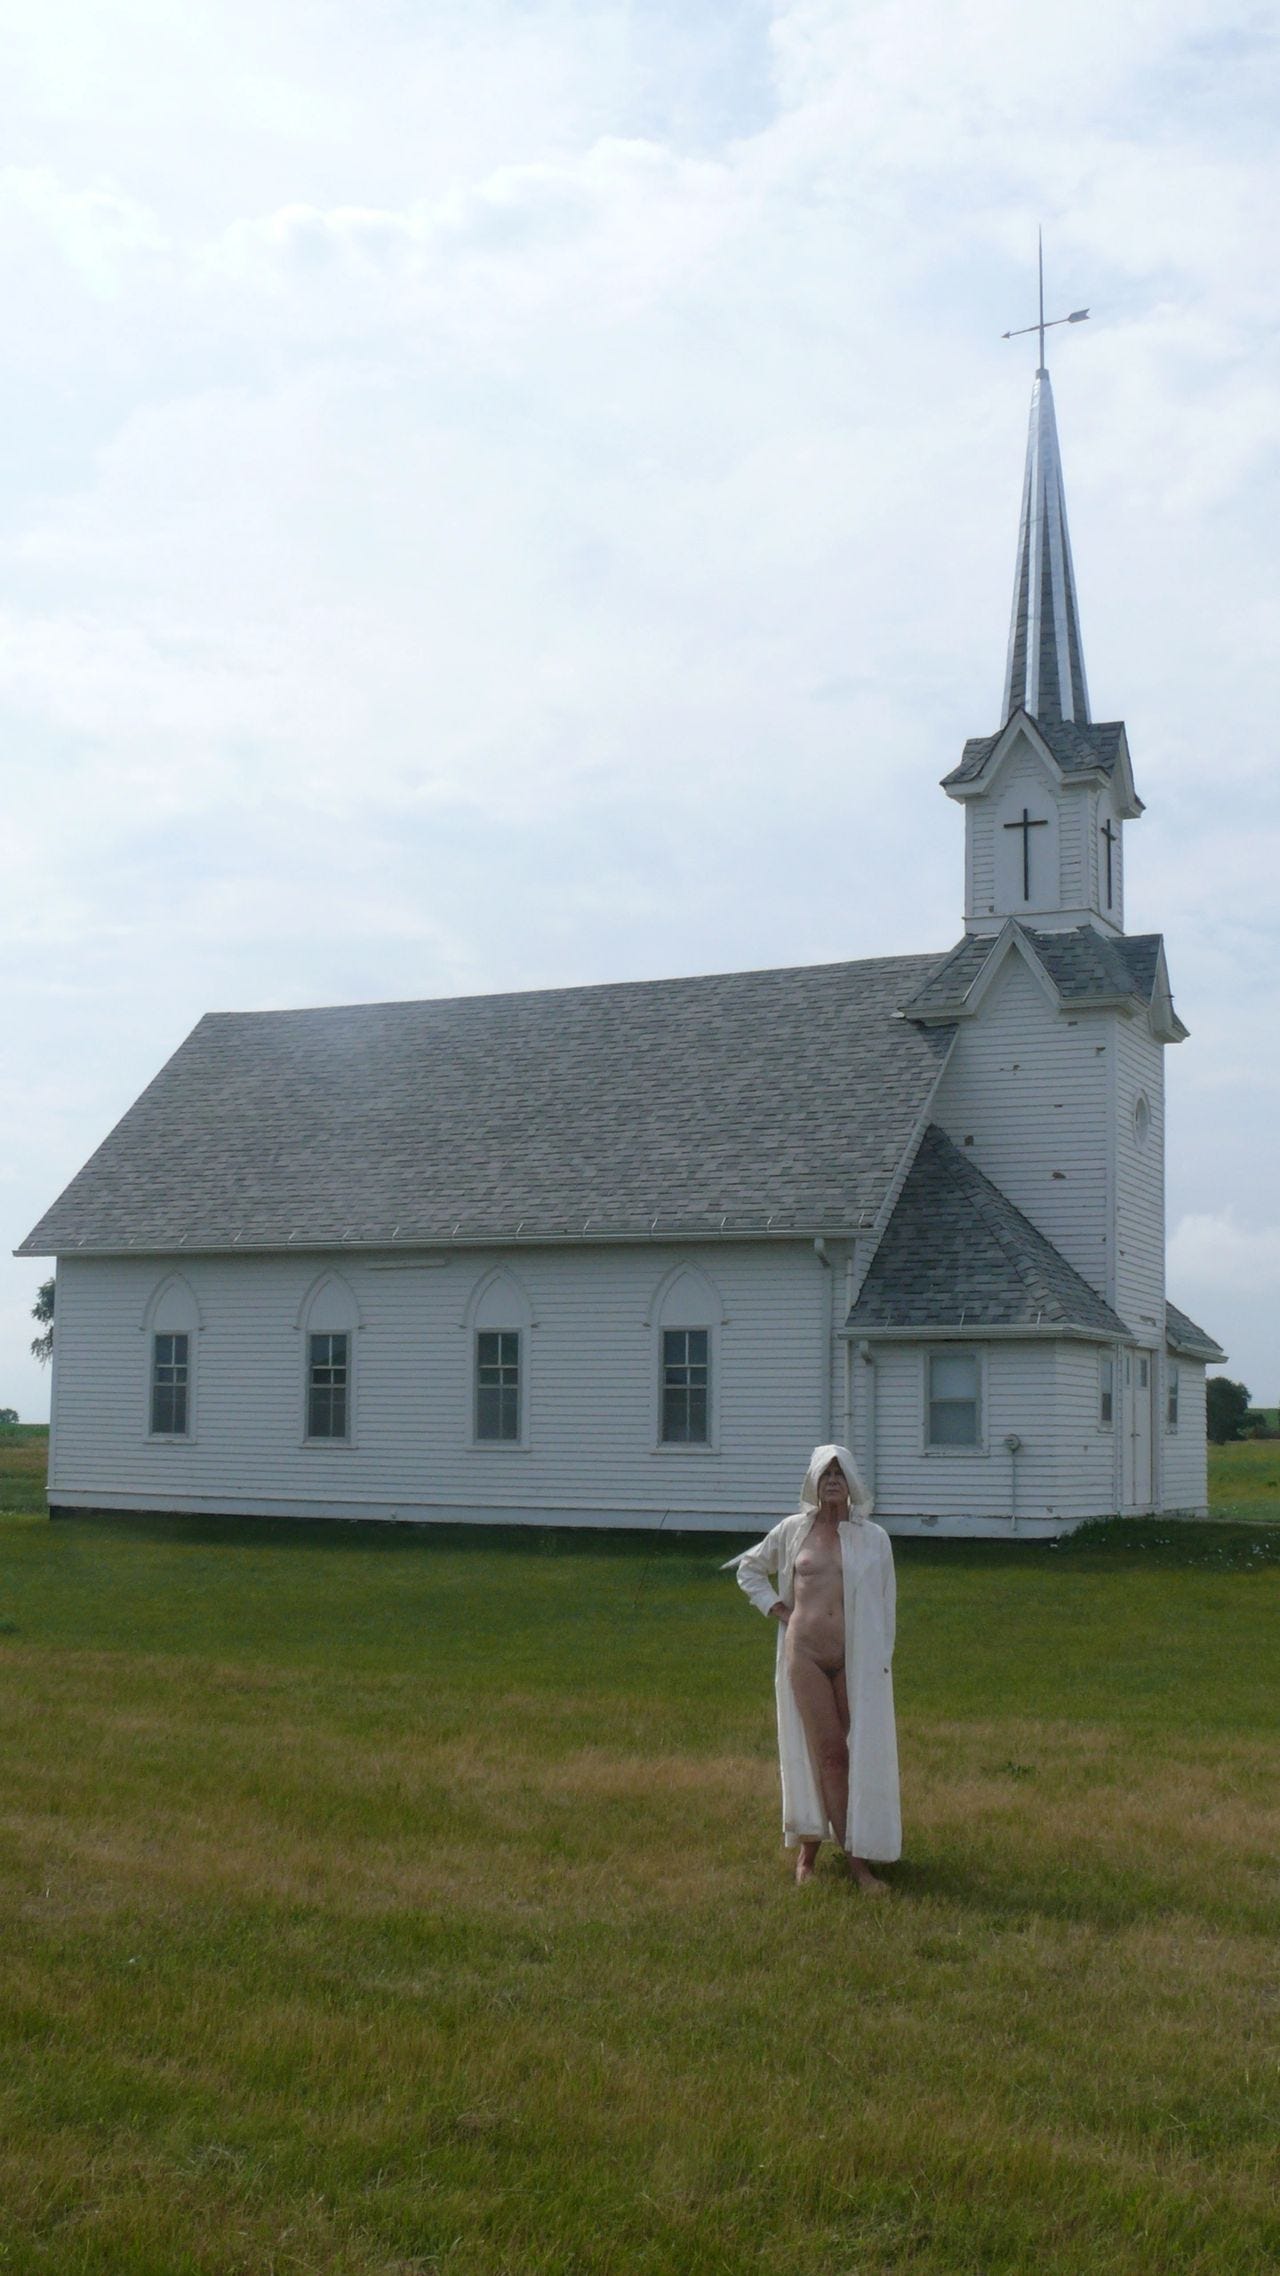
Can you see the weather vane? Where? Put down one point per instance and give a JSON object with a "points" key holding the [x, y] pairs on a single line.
{"points": [[1077, 315]]}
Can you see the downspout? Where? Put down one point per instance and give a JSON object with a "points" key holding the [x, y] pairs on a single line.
{"points": [[848, 1349], [1014, 1444], [868, 1358], [828, 1336]]}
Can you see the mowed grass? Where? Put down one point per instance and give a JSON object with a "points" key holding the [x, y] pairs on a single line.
{"points": [[1244, 1478], [24, 1462], [383, 1902]]}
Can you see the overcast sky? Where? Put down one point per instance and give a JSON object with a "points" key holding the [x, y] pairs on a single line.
{"points": [[500, 494]]}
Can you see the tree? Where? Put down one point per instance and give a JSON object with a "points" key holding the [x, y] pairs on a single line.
{"points": [[42, 1310], [7, 1415], [1226, 1404]]}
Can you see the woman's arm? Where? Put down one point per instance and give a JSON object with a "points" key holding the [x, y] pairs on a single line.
{"points": [[754, 1568]]}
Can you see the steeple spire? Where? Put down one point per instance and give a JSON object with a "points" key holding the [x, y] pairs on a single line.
{"points": [[1045, 672]]}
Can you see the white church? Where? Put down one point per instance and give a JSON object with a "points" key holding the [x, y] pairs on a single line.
{"points": [[606, 1256]]}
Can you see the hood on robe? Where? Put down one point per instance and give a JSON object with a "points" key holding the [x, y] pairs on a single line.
{"points": [[861, 1503]]}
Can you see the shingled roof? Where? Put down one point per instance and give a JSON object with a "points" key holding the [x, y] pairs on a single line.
{"points": [[1086, 967], [1190, 1342], [1078, 747], [753, 1102], [957, 1254]]}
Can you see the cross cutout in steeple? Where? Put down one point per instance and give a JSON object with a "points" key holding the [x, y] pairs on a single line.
{"points": [[1026, 825]]}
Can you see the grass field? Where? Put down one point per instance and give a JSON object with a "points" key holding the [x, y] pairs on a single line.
{"points": [[383, 1903]]}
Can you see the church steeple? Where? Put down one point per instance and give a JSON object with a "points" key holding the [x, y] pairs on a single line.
{"points": [[1046, 795], [1045, 670]]}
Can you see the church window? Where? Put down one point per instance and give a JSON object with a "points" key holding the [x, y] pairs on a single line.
{"points": [[686, 1386], [170, 1378], [1141, 1121], [955, 1399], [1106, 1391], [328, 1384], [498, 1385], [1171, 1399], [171, 1326]]}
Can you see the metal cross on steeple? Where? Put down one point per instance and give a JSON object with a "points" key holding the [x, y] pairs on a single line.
{"points": [[1077, 315]]}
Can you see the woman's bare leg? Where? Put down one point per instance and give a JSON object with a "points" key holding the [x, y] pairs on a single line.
{"points": [[859, 1869], [806, 1861], [823, 1700], [815, 1696]]}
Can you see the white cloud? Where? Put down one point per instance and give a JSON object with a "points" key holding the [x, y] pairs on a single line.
{"points": [[98, 230], [1219, 1253], [500, 495]]}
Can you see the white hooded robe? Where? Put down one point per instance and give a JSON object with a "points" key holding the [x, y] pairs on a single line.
{"points": [[874, 1825]]}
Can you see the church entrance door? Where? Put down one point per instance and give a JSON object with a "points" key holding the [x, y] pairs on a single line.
{"points": [[1138, 1381]]}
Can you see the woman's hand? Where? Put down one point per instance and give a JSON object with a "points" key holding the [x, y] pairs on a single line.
{"points": [[780, 1611]]}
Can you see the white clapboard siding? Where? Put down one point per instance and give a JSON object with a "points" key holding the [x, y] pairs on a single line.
{"points": [[1075, 814], [1102, 809], [1067, 878], [1027, 1094], [1044, 1393], [1184, 1451], [995, 855], [1139, 1179], [590, 1339]]}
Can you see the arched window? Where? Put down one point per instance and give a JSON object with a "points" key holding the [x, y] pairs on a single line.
{"points": [[329, 1318], [499, 1318], [687, 1316], [171, 1324]]}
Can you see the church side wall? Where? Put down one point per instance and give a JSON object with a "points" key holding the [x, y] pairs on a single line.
{"points": [[1044, 1393], [1185, 1450], [1029, 1086], [1139, 1145], [590, 1340]]}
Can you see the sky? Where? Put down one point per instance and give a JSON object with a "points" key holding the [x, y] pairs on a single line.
{"points": [[501, 493]]}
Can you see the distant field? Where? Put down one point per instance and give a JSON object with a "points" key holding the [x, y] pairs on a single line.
{"points": [[1244, 1479], [396, 1903], [24, 1460]]}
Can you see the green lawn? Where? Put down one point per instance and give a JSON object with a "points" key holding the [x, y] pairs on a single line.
{"points": [[1244, 1479], [24, 1460], [381, 1903]]}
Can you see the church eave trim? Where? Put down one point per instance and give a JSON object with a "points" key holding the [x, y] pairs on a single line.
{"points": [[978, 1331], [659, 1230]]}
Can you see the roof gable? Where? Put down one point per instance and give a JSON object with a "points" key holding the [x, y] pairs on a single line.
{"points": [[1076, 752], [757, 1102], [1079, 967], [958, 1255]]}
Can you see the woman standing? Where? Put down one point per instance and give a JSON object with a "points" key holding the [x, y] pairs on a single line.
{"points": [[832, 1593]]}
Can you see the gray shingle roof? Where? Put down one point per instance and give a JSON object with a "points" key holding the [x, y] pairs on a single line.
{"points": [[1183, 1336], [943, 994], [1078, 749], [956, 1253], [1084, 965], [747, 1102]]}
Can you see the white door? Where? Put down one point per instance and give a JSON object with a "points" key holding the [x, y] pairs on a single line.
{"points": [[1139, 1373]]}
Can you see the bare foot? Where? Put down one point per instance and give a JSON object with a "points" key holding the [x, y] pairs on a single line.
{"points": [[805, 1862], [867, 1881]]}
